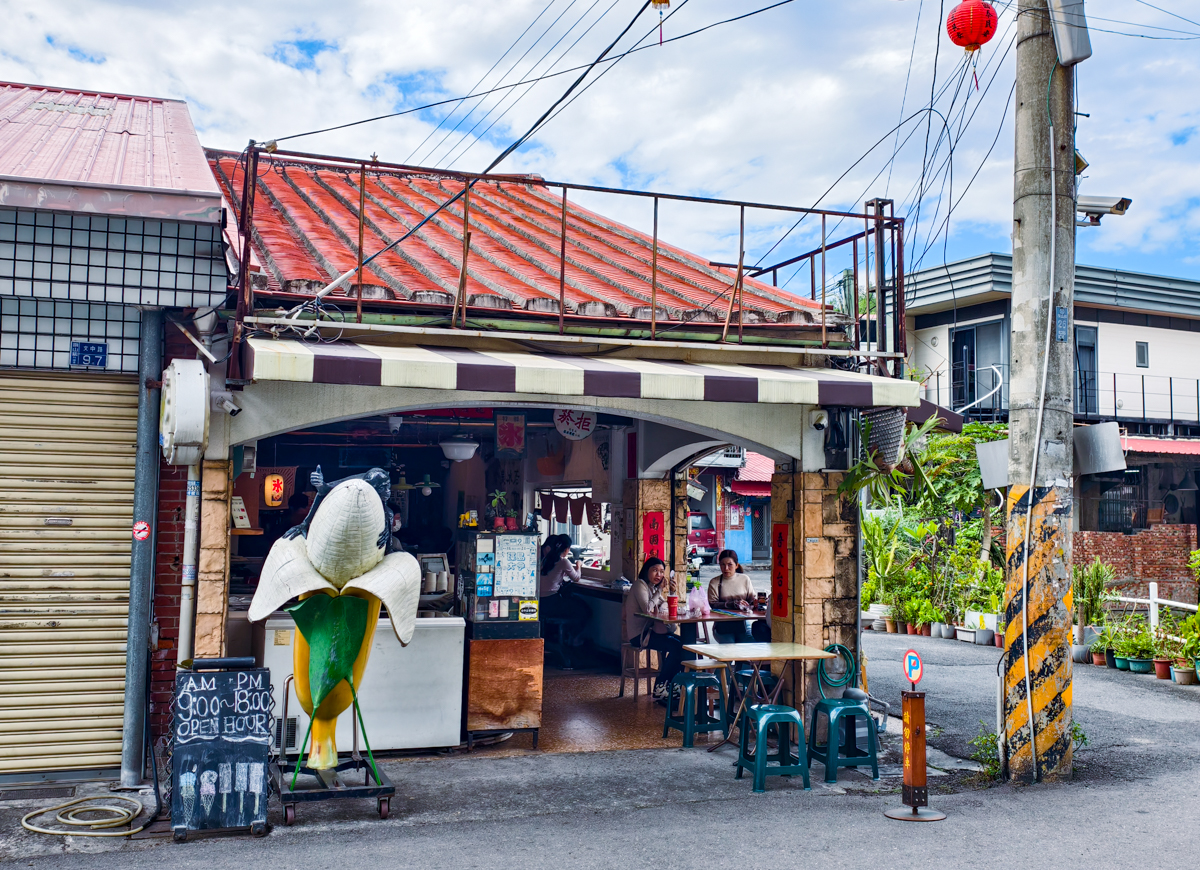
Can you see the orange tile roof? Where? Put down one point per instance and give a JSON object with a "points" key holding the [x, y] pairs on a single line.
{"points": [[306, 234]]}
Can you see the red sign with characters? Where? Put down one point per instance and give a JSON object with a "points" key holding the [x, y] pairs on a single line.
{"points": [[780, 569], [654, 537]]}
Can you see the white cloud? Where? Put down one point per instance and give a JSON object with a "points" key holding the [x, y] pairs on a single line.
{"points": [[773, 108]]}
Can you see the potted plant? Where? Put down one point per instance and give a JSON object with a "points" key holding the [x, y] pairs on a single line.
{"points": [[1122, 646], [983, 634], [1183, 671], [1166, 647], [498, 498], [912, 613], [1141, 651], [510, 520], [1102, 645], [999, 638]]}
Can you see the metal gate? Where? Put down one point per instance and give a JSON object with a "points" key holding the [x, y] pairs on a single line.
{"points": [[67, 446]]}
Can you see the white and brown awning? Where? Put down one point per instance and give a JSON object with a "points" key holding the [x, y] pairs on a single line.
{"points": [[444, 368]]}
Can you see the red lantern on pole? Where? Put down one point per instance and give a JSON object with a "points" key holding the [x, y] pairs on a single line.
{"points": [[971, 24]]}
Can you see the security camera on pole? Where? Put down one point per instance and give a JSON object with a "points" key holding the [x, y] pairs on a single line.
{"points": [[1051, 39]]}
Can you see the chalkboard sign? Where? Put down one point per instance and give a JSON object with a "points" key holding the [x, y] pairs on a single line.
{"points": [[223, 734]]}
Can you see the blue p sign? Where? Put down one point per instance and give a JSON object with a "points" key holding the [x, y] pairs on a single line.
{"points": [[914, 668]]}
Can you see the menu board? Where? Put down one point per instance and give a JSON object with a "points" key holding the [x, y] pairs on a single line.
{"points": [[223, 725], [516, 566]]}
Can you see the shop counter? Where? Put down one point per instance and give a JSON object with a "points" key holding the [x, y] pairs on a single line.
{"points": [[411, 697]]}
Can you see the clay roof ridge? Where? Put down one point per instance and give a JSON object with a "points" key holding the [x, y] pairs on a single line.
{"points": [[299, 234], [687, 258], [551, 292], [552, 234], [397, 286], [512, 296], [256, 239], [663, 289]]}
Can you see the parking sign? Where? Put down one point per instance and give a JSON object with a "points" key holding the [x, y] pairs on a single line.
{"points": [[914, 668]]}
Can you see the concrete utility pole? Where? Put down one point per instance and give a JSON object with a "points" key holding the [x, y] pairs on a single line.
{"points": [[1037, 660]]}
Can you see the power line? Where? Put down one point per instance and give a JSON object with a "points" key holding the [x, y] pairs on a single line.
{"points": [[610, 60], [1168, 12], [462, 100]]}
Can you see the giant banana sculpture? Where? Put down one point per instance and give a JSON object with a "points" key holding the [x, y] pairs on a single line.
{"points": [[336, 564]]}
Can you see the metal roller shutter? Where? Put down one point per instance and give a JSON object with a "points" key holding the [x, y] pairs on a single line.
{"points": [[67, 446]]}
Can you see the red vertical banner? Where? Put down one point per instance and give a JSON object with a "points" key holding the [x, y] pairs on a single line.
{"points": [[780, 569], [654, 538]]}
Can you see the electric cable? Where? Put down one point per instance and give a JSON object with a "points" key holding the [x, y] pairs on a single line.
{"points": [[912, 53], [497, 88], [524, 54], [462, 100]]}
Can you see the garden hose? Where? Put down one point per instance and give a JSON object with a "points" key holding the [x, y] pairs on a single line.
{"points": [[849, 678]]}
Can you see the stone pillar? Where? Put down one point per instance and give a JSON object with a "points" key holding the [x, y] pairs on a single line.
{"points": [[823, 586], [654, 496], [212, 578]]}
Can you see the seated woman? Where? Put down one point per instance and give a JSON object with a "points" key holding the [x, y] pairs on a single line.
{"points": [[557, 602], [646, 595], [732, 590]]}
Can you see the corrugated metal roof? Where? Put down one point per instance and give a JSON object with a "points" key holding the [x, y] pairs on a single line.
{"points": [[989, 276], [1181, 447], [100, 139], [758, 468], [306, 233]]}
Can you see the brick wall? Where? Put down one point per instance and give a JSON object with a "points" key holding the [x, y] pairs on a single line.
{"points": [[1159, 553], [168, 564]]}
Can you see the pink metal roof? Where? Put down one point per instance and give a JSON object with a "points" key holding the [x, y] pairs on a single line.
{"points": [[758, 468], [306, 234], [1181, 447], [100, 139]]}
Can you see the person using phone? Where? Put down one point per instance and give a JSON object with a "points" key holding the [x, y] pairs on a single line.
{"points": [[733, 590], [647, 595]]}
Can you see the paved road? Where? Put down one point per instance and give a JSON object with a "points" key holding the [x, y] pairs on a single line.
{"points": [[1133, 803]]}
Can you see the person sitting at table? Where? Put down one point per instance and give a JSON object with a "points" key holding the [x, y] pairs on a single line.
{"points": [[732, 590], [647, 595], [557, 601]]}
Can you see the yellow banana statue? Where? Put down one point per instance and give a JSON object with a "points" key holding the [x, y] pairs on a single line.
{"points": [[336, 564]]}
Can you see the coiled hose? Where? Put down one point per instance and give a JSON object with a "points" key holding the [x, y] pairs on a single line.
{"points": [[848, 682]]}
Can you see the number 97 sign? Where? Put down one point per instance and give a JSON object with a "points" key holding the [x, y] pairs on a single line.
{"points": [[914, 668]]}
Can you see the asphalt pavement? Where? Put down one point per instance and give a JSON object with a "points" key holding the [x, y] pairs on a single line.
{"points": [[1133, 801]]}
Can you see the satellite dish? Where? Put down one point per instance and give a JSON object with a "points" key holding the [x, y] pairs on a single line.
{"points": [[184, 413]]}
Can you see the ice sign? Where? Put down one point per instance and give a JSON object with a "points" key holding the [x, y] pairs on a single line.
{"points": [[516, 566]]}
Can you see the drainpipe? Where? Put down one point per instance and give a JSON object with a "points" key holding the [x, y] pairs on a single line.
{"points": [[141, 563], [191, 549]]}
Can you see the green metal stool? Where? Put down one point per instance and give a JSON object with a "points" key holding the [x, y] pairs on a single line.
{"points": [[762, 718], [843, 715], [695, 717]]}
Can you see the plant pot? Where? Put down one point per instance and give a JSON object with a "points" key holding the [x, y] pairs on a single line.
{"points": [[1141, 666], [1110, 659], [1122, 662], [890, 625], [1080, 653], [1162, 668], [966, 635], [498, 524], [983, 636], [948, 631], [935, 629], [1184, 676], [1197, 664], [913, 628], [926, 630], [999, 640], [880, 624], [1099, 659], [510, 523]]}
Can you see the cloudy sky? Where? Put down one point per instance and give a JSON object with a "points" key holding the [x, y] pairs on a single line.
{"points": [[776, 107]]}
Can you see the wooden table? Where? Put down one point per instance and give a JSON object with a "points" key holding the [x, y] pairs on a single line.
{"points": [[714, 616], [756, 655]]}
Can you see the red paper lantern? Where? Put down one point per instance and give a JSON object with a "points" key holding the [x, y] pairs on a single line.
{"points": [[971, 24]]}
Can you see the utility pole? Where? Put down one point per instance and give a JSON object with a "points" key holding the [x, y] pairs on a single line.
{"points": [[1037, 660]]}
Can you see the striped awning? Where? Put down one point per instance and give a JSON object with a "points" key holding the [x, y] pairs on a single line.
{"points": [[446, 368]]}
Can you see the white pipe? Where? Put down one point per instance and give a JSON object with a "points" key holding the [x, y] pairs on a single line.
{"points": [[191, 549], [995, 389]]}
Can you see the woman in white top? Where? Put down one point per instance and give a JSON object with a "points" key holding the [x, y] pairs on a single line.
{"points": [[647, 595], [732, 590], [557, 600]]}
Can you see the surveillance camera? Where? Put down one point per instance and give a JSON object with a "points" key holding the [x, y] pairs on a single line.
{"points": [[1095, 207], [819, 420], [224, 402]]}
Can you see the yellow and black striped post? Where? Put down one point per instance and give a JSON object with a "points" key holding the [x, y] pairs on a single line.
{"points": [[1038, 609]]}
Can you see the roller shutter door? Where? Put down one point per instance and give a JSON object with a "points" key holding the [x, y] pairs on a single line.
{"points": [[67, 446]]}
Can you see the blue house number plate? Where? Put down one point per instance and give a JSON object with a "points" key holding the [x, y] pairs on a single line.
{"points": [[89, 353]]}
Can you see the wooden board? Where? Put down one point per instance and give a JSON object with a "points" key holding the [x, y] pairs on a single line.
{"points": [[504, 684]]}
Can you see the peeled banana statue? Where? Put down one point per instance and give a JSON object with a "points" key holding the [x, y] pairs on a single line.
{"points": [[336, 563]]}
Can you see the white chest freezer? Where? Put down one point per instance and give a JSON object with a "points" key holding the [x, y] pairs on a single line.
{"points": [[411, 697]]}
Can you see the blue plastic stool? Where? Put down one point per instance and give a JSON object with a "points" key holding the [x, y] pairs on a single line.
{"points": [[762, 718], [695, 718], [843, 714]]}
